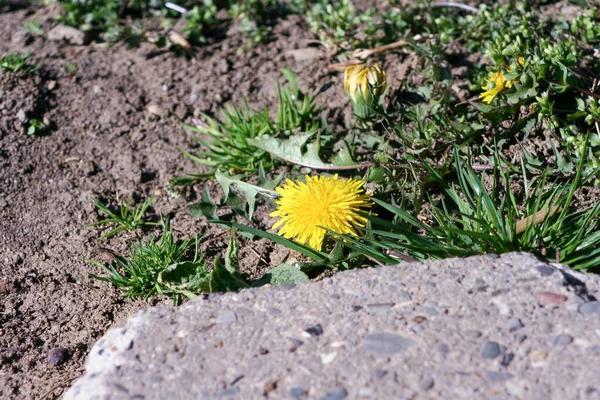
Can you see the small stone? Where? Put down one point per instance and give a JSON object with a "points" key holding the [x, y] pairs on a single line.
{"points": [[156, 110], [442, 348], [22, 116], [315, 331], [548, 298], [492, 350], [339, 393], [538, 356], [380, 373], [545, 270], [560, 340], [593, 307], [513, 325], [507, 359], [495, 376], [385, 344], [51, 85], [58, 356], [426, 384], [69, 34], [305, 54], [297, 392], [328, 358], [378, 308], [471, 334], [229, 316]]}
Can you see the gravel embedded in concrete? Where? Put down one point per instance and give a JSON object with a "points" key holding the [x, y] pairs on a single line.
{"points": [[509, 327]]}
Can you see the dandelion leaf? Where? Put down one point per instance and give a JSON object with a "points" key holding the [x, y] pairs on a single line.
{"points": [[286, 273], [296, 150], [221, 280], [205, 207], [232, 260], [248, 190], [189, 278]]}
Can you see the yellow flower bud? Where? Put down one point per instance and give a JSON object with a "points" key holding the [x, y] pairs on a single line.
{"points": [[365, 85]]}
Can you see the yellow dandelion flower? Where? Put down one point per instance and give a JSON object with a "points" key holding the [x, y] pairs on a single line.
{"points": [[494, 85], [331, 203]]}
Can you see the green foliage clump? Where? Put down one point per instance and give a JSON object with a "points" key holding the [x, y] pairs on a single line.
{"points": [[230, 148], [18, 63]]}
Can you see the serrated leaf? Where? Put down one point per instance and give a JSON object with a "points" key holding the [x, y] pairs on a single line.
{"points": [[286, 273], [221, 280], [205, 207], [343, 157], [187, 277], [250, 191], [291, 150], [232, 261]]}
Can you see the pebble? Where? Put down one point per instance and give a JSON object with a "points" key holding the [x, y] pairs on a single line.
{"points": [[513, 325], [339, 393], [380, 373], [68, 33], [548, 298], [507, 359], [426, 384], [229, 316], [560, 340], [378, 308], [315, 331], [58, 356], [538, 356], [492, 350], [545, 271], [495, 376], [22, 116], [471, 334], [385, 344], [297, 392], [593, 307]]}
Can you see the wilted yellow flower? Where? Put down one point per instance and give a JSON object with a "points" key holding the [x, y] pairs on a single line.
{"points": [[332, 203], [366, 85], [494, 85]]}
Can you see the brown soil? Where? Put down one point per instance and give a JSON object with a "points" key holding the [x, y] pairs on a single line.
{"points": [[115, 130]]}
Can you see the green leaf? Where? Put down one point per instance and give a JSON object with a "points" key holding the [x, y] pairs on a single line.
{"points": [[205, 207], [221, 280], [290, 149], [296, 150], [232, 261], [250, 191], [286, 273], [187, 277], [290, 244]]}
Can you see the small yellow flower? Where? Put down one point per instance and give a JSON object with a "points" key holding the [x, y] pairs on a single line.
{"points": [[332, 203], [365, 85], [494, 85]]}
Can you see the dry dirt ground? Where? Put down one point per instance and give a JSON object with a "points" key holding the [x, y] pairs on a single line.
{"points": [[116, 126], [115, 129]]}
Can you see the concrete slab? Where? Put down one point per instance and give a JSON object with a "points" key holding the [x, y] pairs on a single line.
{"points": [[509, 327]]}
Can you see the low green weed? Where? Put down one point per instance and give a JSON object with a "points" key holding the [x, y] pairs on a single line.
{"points": [[470, 219], [158, 267], [230, 148], [18, 62], [126, 218]]}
